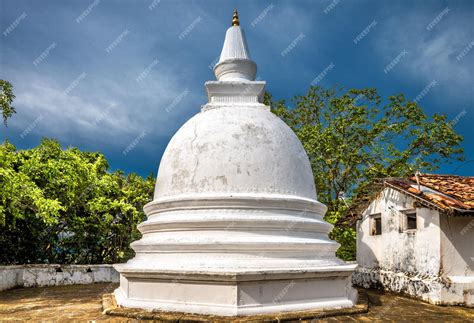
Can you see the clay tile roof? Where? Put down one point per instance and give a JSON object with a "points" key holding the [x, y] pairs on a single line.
{"points": [[447, 192]]}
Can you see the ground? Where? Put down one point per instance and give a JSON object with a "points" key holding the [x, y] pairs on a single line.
{"points": [[84, 303]]}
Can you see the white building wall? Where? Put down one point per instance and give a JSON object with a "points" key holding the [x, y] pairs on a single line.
{"points": [[407, 262], [415, 252], [457, 245], [457, 258], [435, 262]]}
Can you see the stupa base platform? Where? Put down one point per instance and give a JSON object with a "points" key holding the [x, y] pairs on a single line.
{"points": [[238, 294], [110, 307]]}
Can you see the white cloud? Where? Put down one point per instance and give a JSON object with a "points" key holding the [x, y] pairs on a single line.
{"points": [[100, 114], [65, 114]]}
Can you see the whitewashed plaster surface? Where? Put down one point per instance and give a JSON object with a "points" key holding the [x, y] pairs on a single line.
{"points": [[433, 263], [235, 227], [10, 277], [48, 275]]}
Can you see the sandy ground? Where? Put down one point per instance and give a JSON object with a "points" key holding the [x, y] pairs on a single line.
{"points": [[84, 303]]}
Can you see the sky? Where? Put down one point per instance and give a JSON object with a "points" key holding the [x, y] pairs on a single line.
{"points": [[121, 77]]}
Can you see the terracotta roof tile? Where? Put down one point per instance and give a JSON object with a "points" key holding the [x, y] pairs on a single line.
{"points": [[448, 192]]}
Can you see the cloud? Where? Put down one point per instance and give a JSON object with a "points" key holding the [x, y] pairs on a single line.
{"points": [[95, 110], [128, 90], [67, 114], [431, 53]]}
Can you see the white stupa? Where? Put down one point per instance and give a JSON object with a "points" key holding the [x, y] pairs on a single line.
{"points": [[235, 227]]}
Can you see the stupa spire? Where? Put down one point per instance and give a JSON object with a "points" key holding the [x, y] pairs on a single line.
{"points": [[235, 18], [235, 63]]}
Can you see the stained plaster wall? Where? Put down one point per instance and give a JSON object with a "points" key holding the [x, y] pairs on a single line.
{"points": [[54, 275]]}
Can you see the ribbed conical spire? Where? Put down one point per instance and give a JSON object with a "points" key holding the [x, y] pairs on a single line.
{"points": [[235, 62], [235, 45]]}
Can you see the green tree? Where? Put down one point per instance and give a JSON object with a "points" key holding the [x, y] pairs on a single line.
{"points": [[64, 206], [6, 99], [353, 138]]}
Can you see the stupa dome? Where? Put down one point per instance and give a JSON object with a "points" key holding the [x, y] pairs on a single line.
{"points": [[235, 150]]}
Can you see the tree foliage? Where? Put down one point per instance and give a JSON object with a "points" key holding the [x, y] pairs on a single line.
{"points": [[354, 137], [64, 206], [6, 100]]}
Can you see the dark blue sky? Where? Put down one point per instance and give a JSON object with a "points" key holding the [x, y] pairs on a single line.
{"points": [[101, 74]]}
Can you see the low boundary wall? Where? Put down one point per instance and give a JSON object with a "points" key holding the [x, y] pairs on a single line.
{"points": [[54, 275]]}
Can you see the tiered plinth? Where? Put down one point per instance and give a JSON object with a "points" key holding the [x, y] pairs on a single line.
{"points": [[236, 255], [236, 294]]}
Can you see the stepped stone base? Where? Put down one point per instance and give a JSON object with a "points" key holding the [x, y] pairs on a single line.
{"points": [[110, 307], [238, 294]]}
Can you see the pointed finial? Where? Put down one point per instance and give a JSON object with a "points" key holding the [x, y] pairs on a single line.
{"points": [[235, 18]]}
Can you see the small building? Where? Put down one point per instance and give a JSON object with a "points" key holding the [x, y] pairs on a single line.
{"points": [[417, 237]]}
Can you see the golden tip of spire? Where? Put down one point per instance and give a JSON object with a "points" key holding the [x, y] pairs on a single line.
{"points": [[235, 18]]}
